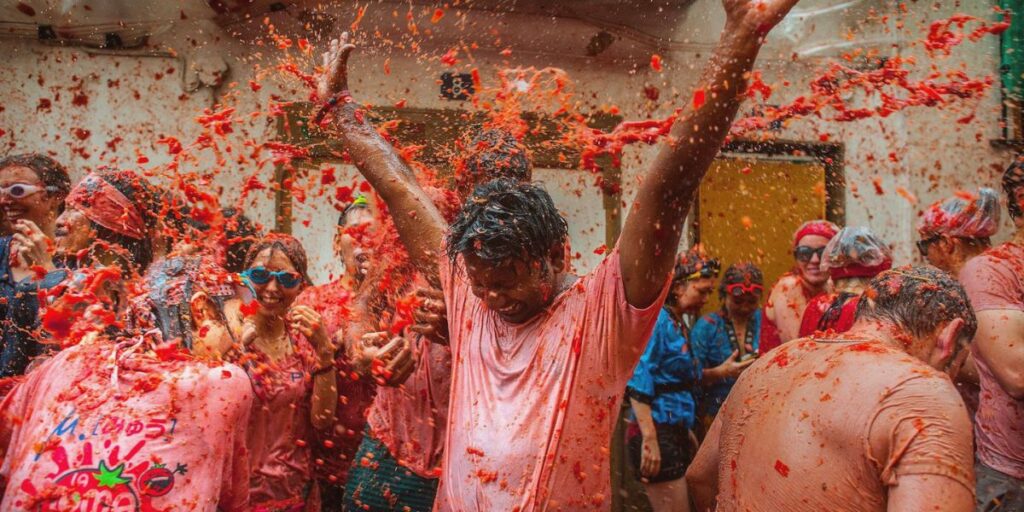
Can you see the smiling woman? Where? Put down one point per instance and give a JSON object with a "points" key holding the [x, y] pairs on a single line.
{"points": [[32, 192], [290, 358]]}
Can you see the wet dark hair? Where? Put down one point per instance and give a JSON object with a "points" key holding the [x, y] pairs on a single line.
{"points": [[287, 244], [494, 154], [53, 175], [1013, 178], [744, 272], [240, 234], [505, 220], [918, 299]]}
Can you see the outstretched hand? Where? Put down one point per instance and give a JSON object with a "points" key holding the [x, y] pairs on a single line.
{"points": [[334, 77], [756, 16]]}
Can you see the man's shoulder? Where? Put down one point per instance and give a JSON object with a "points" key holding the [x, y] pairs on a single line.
{"points": [[224, 385], [1009, 255], [889, 365], [788, 283]]}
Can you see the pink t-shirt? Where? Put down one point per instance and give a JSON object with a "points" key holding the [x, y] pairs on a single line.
{"points": [[995, 281], [533, 405], [410, 419], [154, 436], [281, 433]]}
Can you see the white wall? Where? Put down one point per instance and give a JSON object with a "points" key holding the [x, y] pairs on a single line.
{"points": [[127, 103]]}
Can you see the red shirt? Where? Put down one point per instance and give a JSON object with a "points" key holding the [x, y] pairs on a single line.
{"points": [[410, 419], [839, 320]]}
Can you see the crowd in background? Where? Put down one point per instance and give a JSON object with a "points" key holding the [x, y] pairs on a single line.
{"points": [[160, 354]]}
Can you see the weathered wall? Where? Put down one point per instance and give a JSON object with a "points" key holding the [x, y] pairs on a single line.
{"points": [[90, 110]]}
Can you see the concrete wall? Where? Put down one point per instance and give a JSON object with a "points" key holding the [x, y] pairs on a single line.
{"points": [[127, 101]]}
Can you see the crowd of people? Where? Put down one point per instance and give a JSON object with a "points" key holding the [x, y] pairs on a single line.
{"points": [[160, 356]]}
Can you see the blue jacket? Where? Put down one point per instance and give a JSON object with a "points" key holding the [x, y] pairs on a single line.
{"points": [[667, 375], [19, 312], [712, 347]]}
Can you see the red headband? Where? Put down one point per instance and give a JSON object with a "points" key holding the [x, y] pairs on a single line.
{"points": [[105, 205], [856, 270], [822, 228]]}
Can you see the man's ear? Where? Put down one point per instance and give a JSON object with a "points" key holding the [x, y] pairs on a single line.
{"points": [[948, 337], [949, 246], [202, 308], [557, 257]]}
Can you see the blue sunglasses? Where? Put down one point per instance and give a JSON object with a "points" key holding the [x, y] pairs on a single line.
{"points": [[262, 276]]}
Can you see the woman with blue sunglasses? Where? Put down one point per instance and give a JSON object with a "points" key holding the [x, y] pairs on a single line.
{"points": [[291, 362]]}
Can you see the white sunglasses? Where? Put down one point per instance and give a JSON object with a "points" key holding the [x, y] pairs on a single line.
{"points": [[22, 190]]}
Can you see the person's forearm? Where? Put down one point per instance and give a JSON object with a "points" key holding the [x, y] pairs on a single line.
{"points": [[417, 220], [698, 137], [714, 375], [711, 376], [644, 419], [375, 158], [653, 228]]}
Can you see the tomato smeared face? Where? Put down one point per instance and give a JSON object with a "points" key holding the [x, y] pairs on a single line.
{"points": [[516, 290]]}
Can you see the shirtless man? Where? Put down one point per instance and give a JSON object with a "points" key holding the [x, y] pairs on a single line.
{"points": [[867, 419], [789, 297], [540, 356], [996, 287]]}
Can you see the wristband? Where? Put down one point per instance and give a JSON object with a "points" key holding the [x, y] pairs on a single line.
{"points": [[342, 97]]}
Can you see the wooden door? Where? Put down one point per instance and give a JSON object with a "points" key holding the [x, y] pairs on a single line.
{"points": [[749, 209]]}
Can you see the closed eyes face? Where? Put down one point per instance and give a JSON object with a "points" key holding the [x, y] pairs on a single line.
{"points": [[742, 305], [516, 290], [354, 242], [74, 232], [692, 295]]}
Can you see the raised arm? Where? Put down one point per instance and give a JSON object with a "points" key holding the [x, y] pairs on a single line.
{"points": [[418, 221], [652, 230]]}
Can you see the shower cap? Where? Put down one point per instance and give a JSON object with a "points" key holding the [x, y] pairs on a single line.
{"points": [[963, 215], [856, 252]]}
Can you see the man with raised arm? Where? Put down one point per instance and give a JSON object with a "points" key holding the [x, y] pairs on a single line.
{"points": [[864, 420], [540, 356]]}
